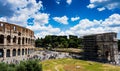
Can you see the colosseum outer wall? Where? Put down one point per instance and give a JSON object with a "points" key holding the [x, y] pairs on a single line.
{"points": [[15, 40]]}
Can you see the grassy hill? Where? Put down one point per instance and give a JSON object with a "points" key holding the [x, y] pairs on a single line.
{"points": [[68, 64]]}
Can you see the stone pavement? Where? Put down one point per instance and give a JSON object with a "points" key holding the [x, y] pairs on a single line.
{"points": [[41, 55]]}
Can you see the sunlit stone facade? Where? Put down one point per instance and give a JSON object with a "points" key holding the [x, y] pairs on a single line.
{"points": [[15, 40]]}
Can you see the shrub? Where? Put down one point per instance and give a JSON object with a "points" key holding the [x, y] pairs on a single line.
{"points": [[30, 65]]}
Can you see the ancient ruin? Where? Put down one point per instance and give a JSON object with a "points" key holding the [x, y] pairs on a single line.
{"points": [[101, 47], [15, 41]]}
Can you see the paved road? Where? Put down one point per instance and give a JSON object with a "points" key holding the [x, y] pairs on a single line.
{"points": [[41, 55]]}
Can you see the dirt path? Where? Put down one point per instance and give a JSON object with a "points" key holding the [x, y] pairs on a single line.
{"points": [[56, 68]]}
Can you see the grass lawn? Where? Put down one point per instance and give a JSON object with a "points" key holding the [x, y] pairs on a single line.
{"points": [[74, 50], [68, 64]]}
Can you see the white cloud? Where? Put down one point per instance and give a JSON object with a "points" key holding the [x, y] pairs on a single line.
{"points": [[62, 20], [69, 1], [41, 18], [58, 1], [112, 20], [3, 19], [23, 9], [75, 18], [101, 9], [104, 4], [91, 6], [44, 30], [85, 26], [85, 23], [113, 5]]}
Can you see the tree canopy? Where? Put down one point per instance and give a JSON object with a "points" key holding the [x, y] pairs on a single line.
{"points": [[54, 41]]}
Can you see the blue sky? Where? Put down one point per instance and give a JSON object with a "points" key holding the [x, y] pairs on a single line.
{"points": [[63, 17]]}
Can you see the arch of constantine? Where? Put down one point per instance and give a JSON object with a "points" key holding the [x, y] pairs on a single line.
{"points": [[15, 40]]}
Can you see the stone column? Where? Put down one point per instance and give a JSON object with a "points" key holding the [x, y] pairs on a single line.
{"points": [[24, 41], [4, 54], [27, 51], [11, 40], [20, 51], [24, 51], [11, 52], [17, 40], [28, 41]]}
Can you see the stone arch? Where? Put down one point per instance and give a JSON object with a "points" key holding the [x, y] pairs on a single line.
{"points": [[18, 51], [26, 51], [8, 53], [107, 55], [29, 41], [14, 39], [8, 38], [1, 39], [26, 40], [23, 51], [1, 52], [14, 52], [19, 39], [19, 33]]}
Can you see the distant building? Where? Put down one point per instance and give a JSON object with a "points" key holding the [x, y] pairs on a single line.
{"points": [[102, 47], [15, 41]]}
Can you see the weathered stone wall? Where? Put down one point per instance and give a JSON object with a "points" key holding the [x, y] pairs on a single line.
{"points": [[102, 47], [15, 40]]}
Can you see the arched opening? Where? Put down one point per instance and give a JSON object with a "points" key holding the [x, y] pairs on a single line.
{"points": [[22, 51], [18, 51], [26, 40], [14, 39], [107, 55], [1, 52], [14, 28], [8, 38], [28, 51], [19, 40], [1, 39], [25, 51], [19, 33], [14, 52], [29, 41], [23, 40], [8, 53]]}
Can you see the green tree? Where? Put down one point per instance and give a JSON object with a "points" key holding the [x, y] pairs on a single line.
{"points": [[3, 67], [72, 43]]}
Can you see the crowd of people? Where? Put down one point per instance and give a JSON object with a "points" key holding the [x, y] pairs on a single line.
{"points": [[40, 55]]}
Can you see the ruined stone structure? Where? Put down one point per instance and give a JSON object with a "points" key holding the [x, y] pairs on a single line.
{"points": [[102, 47], [15, 40]]}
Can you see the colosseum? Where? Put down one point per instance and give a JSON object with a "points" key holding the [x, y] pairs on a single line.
{"points": [[15, 41]]}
